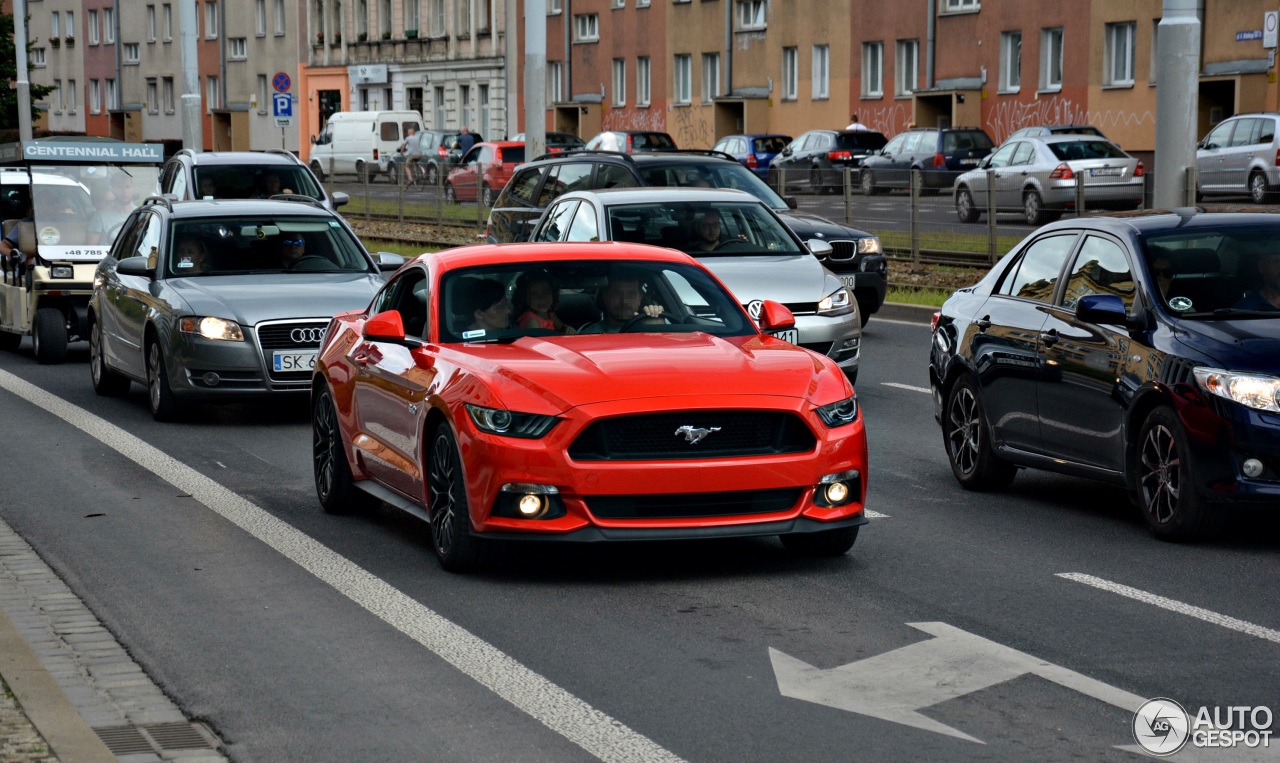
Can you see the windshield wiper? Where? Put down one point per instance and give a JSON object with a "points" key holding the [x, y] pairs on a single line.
{"points": [[1237, 312]]}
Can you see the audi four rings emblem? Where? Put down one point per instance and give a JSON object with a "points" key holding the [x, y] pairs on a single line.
{"points": [[304, 336]]}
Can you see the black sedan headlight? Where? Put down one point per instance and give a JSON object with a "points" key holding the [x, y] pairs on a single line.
{"points": [[1257, 391], [509, 423], [212, 328], [839, 413]]}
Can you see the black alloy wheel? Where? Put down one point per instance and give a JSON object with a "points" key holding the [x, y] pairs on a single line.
{"points": [[335, 486], [456, 548], [106, 382], [967, 436], [1167, 494]]}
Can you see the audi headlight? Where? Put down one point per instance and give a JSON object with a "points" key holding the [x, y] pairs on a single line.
{"points": [[870, 245], [838, 302], [509, 423], [212, 328], [1252, 390], [839, 413]]}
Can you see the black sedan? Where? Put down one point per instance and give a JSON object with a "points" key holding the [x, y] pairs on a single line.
{"points": [[817, 159], [1140, 349], [223, 300]]}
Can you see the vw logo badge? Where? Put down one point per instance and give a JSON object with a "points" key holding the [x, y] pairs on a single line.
{"points": [[754, 307], [307, 335]]}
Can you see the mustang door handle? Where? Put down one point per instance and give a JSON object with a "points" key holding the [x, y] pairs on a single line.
{"points": [[1049, 337], [360, 358], [983, 323]]}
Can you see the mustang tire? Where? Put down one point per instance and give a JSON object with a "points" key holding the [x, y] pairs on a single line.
{"points": [[457, 549], [1166, 488], [825, 543], [967, 435], [335, 486]]}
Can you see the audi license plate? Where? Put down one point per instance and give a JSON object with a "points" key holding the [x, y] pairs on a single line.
{"points": [[293, 361], [787, 335], [1105, 171]]}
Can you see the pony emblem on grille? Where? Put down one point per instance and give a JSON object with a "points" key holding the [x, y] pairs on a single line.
{"points": [[694, 435]]}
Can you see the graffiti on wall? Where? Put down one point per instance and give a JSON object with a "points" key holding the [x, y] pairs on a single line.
{"points": [[889, 120], [632, 119], [692, 126], [1006, 116]]}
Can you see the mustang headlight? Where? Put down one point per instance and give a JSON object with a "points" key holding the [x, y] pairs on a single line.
{"points": [[838, 302], [212, 328], [509, 423], [839, 413], [1253, 390], [870, 245]]}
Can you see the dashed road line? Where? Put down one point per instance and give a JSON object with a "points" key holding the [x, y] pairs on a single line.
{"points": [[1174, 605], [910, 387]]}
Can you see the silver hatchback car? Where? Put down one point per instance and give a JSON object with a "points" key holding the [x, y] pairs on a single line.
{"points": [[739, 238], [1239, 156]]}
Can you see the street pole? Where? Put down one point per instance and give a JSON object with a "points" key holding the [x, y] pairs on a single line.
{"points": [[535, 78], [192, 123], [24, 84], [1177, 100], [511, 28]]}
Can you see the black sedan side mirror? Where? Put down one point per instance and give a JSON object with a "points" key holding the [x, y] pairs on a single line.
{"points": [[135, 266], [1102, 309]]}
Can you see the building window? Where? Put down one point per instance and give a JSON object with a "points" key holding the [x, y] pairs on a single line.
{"points": [[55, 27], [211, 94], [553, 7], [411, 15], [464, 106], [113, 95], [1010, 62], [710, 76], [485, 111], [821, 72], [872, 69], [435, 12], [151, 23], [153, 96], [790, 76], [108, 25], [210, 20], [1051, 59], [260, 18], [482, 17], [95, 97], [167, 17], [906, 71], [263, 95], [642, 81], [239, 49], [57, 96], [93, 28], [37, 57], [751, 15], [71, 32], [617, 3], [279, 14], [586, 27], [682, 91], [464, 17], [642, 3], [413, 99], [131, 52], [1119, 53], [439, 108], [962, 5], [619, 82], [167, 84], [554, 79], [71, 96]]}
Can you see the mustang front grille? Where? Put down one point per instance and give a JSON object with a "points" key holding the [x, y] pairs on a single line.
{"points": [[688, 505], [692, 435]]}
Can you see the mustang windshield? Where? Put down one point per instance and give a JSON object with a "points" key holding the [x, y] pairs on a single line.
{"points": [[262, 244], [504, 303], [1217, 273]]}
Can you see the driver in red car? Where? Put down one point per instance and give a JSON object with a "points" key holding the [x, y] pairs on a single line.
{"points": [[621, 302]]}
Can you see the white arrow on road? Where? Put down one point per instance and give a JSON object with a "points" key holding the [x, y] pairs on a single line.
{"points": [[896, 685]]}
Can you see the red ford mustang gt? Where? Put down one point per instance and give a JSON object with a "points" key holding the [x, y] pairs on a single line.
{"points": [[583, 392]]}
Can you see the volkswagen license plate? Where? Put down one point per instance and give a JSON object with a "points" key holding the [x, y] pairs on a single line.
{"points": [[293, 361], [968, 161], [787, 335], [1105, 171]]}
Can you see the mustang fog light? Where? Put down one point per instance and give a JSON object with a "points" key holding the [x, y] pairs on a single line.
{"points": [[212, 328], [1252, 468], [838, 489], [62, 271], [522, 500]]}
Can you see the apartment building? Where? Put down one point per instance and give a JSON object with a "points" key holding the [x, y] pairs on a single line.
{"points": [[57, 60]]}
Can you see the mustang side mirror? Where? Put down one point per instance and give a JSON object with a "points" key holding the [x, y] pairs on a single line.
{"points": [[135, 266], [388, 327], [774, 316]]}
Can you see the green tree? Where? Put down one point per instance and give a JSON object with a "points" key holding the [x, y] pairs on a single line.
{"points": [[9, 75]]}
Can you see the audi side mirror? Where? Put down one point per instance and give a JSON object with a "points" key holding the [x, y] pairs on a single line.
{"points": [[135, 266]]}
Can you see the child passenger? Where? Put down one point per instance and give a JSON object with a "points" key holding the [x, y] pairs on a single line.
{"points": [[535, 299]]}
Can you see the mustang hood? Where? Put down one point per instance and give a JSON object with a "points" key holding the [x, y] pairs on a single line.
{"points": [[808, 226], [578, 370], [1254, 343], [790, 279], [251, 299]]}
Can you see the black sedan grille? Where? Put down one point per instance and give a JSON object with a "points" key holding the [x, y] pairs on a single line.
{"points": [[692, 435], [690, 505], [296, 336]]}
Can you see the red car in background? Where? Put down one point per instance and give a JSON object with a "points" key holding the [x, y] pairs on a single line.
{"points": [[636, 400], [483, 172]]}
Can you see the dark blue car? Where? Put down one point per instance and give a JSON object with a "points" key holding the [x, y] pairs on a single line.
{"points": [[1140, 349], [755, 151]]}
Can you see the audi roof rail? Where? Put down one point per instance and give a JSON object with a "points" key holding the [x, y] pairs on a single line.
{"points": [[693, 152], [298, 197]]}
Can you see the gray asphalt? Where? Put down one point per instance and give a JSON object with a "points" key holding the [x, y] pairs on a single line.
{"points": [[672, 640]]}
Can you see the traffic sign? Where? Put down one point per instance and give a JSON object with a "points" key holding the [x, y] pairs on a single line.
{"points": [[281, 82], [281, 105], [284, 121]]}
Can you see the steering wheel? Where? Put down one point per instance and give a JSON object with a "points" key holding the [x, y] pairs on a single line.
{"points": [[641, 319], [312, 262]]}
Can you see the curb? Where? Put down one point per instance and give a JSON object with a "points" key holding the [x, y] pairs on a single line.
{"points": [[901, 311]]}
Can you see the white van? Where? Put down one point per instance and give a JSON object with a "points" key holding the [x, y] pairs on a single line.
{"points": [[360, 142]]}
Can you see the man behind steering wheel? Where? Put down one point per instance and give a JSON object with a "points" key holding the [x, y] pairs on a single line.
{"points": [[622, 306], [708, 232]]}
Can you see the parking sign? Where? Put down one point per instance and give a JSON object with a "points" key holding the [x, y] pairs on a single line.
{"points": [[281, 105]]}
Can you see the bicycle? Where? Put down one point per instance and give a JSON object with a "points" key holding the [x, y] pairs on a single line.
{"points": [[417, 174]]}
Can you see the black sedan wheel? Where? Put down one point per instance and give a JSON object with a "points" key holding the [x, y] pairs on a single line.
{"points": [[1166, 489], [164, 407], [105, 381], [334, 484], [967, 435], [457, 549], [868, 183]]}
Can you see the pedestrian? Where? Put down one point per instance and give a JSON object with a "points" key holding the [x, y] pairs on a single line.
{"points": [[854, 124], [465, 140]]}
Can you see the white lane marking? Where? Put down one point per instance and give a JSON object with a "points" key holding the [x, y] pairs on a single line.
{"points": [[896, 385], [897, 322], [1174, 605], [579, 722], [875, 514]]}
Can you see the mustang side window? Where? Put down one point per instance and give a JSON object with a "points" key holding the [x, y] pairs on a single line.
{"points": [[1101, 267], [1035, 274]]}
